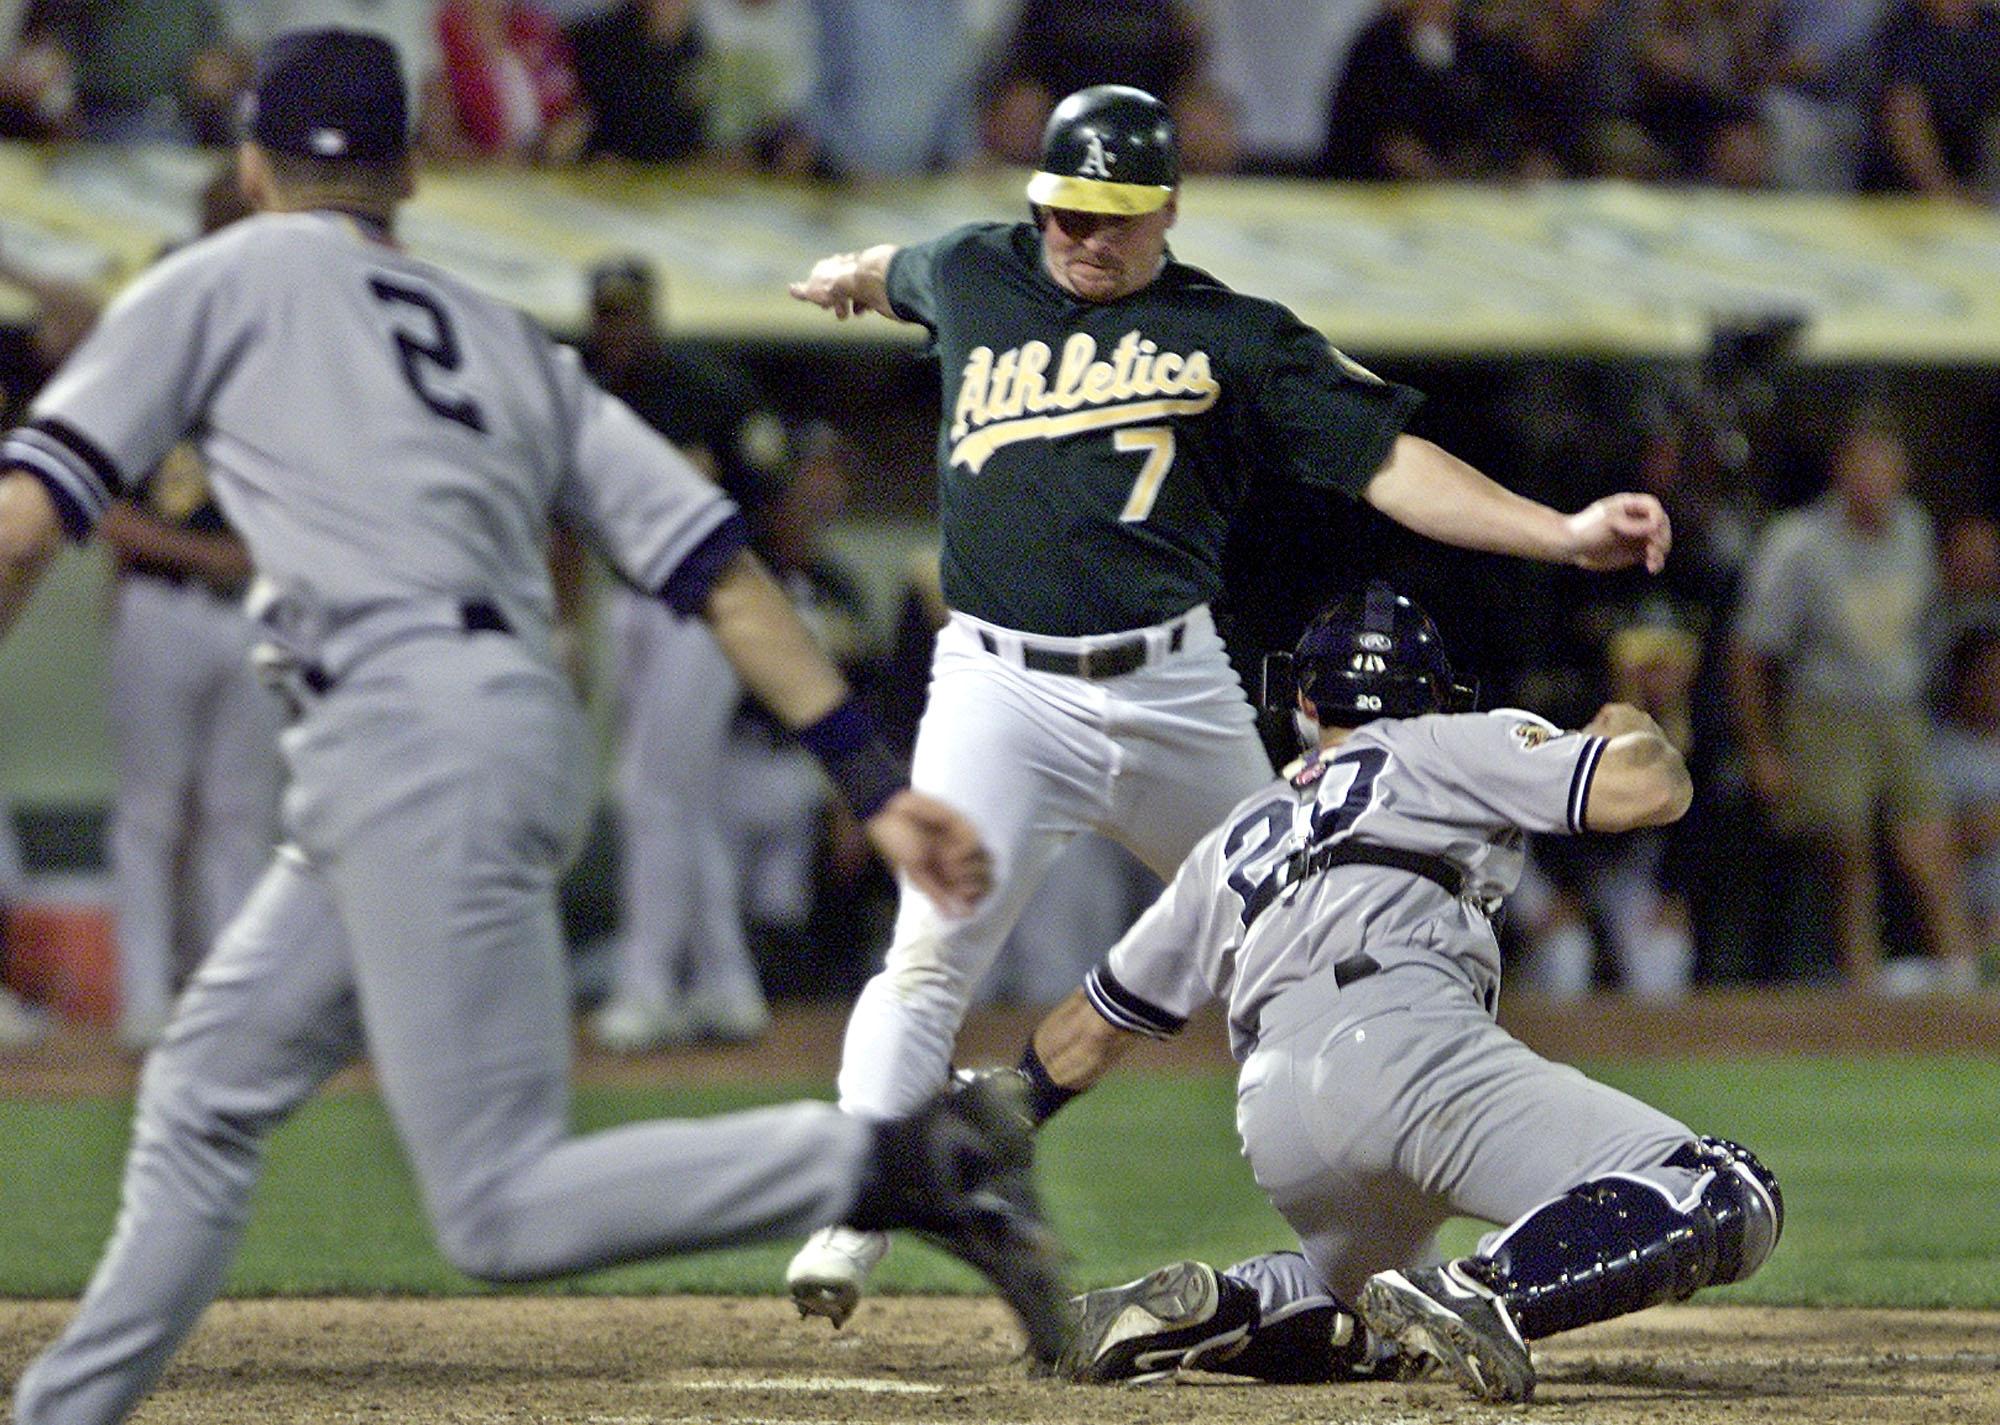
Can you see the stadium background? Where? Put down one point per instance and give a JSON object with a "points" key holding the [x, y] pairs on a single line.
{"points": [[1556, 327], [1550, 326]]}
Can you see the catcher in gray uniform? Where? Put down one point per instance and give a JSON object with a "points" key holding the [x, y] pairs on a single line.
{"points": [[1345, 915], [391, 444]]}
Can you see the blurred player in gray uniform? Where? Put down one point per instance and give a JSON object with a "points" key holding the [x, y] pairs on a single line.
{"points": [[1107, 411], [391, 444], [1344, 913], [197, 732], [683, 969]]}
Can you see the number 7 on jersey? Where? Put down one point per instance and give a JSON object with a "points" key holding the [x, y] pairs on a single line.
{"points": [[1157, 442]]}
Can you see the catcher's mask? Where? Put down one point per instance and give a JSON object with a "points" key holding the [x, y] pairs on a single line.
{"points": [[1372, 654], [1107, 149]]}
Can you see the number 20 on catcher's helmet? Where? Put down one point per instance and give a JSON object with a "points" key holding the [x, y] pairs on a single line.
{"points": [[1375, 654], [1108, 149]]}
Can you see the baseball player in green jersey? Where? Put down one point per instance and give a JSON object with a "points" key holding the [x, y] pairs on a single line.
{"points": [[1106, 409], [392, 446]]}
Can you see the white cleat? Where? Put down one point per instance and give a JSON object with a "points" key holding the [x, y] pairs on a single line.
{"points": [[827, 1274]]}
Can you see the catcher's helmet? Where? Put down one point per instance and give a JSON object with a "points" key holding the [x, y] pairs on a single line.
{"points": [[1108, 149], [1375, 654]]}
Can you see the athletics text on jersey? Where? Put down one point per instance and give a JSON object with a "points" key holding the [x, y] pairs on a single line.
{"points": [[1092, 455]]}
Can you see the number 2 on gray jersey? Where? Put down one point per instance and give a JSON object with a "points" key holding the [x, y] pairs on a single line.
{"points": [[423, 356]]}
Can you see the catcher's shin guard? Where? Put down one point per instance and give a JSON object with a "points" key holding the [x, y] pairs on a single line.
{"points": [[1621, 1243]]}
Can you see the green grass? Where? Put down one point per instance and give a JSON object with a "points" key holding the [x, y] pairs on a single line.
{"points": [[1891, 1173]]}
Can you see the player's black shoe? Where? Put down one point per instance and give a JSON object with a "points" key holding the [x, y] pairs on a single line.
{"points": [[1447, 1315], [961, 1172], [1183, 1315]]}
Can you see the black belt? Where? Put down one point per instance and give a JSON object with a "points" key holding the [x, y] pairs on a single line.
{"points": [[1355, 853], [474, 616], [1106, 660]]}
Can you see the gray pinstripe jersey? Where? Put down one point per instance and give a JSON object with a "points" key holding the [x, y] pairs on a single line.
{"points": [[1240, 922], [378, 431]]}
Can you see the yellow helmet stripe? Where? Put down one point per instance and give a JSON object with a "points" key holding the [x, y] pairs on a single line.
{"points": [[1096, 195]]}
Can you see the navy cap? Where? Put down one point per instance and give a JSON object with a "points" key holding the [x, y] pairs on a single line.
{"points": [[334, 94]]}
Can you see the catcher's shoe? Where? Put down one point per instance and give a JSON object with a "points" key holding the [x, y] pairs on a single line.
{"points": [[961, 1171], [1445, 1314], [826, 1275], [1183, 1315]]}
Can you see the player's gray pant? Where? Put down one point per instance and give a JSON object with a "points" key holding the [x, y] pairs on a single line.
{"points": [[198, 773], [681, 896], [435, 795], [1372, 1114]]}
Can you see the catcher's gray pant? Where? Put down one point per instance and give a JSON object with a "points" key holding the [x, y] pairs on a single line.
{"points": [[1372, 1114], [435, 795]]}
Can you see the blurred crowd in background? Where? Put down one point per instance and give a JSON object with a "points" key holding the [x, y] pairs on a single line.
{"points": [[1824, 646], [1835, 95]]}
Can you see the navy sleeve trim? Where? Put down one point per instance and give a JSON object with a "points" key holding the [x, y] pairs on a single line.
{"points": [[1125, 1010], [1579, 782], [85, 449], [687, 588], [78, 476]]}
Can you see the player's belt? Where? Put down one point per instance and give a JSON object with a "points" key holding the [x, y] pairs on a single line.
{"points": [[474, 616], [1104, 660]]}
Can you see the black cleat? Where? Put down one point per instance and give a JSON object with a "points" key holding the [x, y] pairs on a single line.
{"points": [[1444, 1314], [1182, 1315]]}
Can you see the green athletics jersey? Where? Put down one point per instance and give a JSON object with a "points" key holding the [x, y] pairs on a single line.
{"points": [[1092, 454]]}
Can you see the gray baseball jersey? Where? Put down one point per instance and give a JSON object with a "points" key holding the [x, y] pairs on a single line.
{"points": [[1242, 921], [358, 481], [1378, 1097], [391, 445]]}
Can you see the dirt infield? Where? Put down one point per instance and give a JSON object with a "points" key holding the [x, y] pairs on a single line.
{"points": [[689, 1361]]}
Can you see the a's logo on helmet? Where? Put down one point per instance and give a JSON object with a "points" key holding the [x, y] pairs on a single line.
{"points": [[1096, 162], [1374, 642]]}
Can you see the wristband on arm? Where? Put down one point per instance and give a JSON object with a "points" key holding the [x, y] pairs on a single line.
{"points": [[1045, 1095], [855, 757]]}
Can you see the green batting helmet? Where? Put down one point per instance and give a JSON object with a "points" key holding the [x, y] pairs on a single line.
{"points": [[1108, 149]]}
